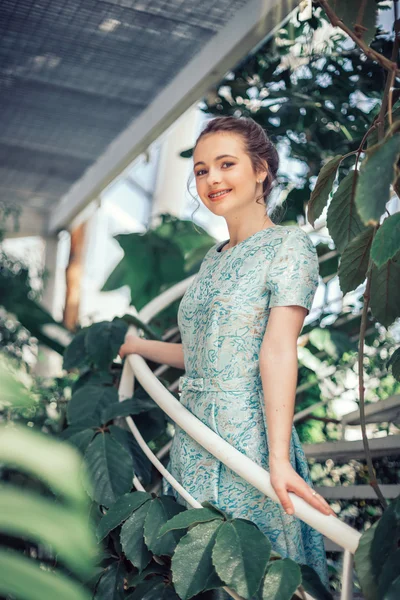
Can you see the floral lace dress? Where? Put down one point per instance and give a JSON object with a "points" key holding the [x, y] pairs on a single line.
{"points": [[222, 319]]}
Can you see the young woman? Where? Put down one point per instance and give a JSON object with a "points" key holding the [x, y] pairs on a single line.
{"points": [[239, 321]]}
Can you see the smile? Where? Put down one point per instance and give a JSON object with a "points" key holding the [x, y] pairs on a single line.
{"points": [[219, 194]]}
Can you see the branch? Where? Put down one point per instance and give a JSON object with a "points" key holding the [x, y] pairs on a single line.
{"points": [[387, 64]]}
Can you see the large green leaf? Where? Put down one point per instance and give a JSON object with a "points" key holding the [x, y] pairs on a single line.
{"points": [[110, 467], [323, 187], [132, 406], [53, 462], [386, 539], [141, 464], [154, 589], [76, 354], [389, 580], [191, 564], [24, 579], [240, 556], [385, 285], [344, 223], [386, 242], [132, 538], [312, 584], [190, 517], [394, 362], [376, 175], [87, 404], [120, 511], [36, 518], [282, 580], [111, 584], [150, 264], [104, 339], [354, 263], [364, 566], [161, 510]]}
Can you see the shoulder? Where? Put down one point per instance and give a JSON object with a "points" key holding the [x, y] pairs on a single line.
{"points": [[296, 238]]}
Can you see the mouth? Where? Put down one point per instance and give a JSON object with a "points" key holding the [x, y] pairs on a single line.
{"points": [[218, 195]]}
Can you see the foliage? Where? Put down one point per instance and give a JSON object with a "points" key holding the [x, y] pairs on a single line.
{"points": [[43, 511]]}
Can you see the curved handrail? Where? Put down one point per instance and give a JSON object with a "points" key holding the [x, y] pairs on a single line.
{"points": [[339, 532]]}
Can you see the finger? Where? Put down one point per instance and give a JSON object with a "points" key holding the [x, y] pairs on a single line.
{"points": [[317, 501], [285, 501]]}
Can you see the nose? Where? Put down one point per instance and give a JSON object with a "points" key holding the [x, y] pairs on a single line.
{"points": [[213, 177]]}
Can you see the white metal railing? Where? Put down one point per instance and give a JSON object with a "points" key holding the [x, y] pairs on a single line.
{"points": [[334, 529]]}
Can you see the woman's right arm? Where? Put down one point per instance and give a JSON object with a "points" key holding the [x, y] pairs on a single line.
{"points": [[164, 353]]}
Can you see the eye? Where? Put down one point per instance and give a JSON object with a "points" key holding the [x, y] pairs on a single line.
{"points": [[199, 172], [230, 164]]}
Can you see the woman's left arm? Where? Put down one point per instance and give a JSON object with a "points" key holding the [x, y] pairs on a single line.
{"points": [[279, 372]]}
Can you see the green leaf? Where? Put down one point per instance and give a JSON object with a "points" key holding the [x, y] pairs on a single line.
{"points": [[240, 556], [149, 264], [120, 511], [111, 584], [282, 580], [82, 439], [23, 578], [385, 285], [161, 510], [36, 518], [394, 362], [132, 406], [386, 539], [323, 187], [88, 403], [313, 585], [354, 263], [141, 464], [104, 339], [389, 580], [191, 563], [154, 589], [110, 467], [190, 517], [363, 564], [376, 175], [344, 223], [134, 579], [132, 538], [386, 242], [53, 462], [75, 354]]}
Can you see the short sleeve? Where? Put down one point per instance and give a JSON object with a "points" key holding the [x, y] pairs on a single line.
{"points": [[294, 274]]}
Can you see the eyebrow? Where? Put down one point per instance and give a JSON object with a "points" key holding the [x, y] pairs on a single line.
{"points": [[200, 162]]}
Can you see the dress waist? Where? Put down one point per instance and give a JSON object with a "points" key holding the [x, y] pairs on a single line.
{"points": [[217, 384]]}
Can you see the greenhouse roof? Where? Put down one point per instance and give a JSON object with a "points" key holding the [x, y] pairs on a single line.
{"points": [[87, 85]]}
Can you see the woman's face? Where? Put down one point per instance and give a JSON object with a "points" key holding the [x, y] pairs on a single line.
{"points": [[222, 165]]}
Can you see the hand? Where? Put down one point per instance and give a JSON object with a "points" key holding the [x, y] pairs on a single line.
{"points": [[284, 479], [129, 346]]}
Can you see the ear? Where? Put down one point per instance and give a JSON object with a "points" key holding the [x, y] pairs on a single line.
{"points": [[262, 173]]}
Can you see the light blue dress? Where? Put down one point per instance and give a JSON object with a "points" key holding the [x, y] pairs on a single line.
{"points": [[222, 319]]}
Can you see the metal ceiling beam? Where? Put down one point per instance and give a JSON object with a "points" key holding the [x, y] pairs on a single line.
{"points": [[257, 20]]}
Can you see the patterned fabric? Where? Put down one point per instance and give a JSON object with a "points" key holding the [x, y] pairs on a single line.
{"points": [[222, 319]]}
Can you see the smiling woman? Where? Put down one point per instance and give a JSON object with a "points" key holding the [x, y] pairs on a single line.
{"points": [[239, 321]]}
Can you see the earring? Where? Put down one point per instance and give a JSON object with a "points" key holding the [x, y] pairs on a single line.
{"points": [[259, 180]]}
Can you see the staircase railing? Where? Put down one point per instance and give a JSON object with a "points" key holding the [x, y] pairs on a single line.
{"points": [[135, 366]]}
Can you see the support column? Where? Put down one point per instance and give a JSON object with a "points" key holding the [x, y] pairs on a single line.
{"points": [[73, 275], [173, 171]]}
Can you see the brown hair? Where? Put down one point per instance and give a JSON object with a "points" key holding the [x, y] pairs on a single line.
{"points": [[256, 142]]}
